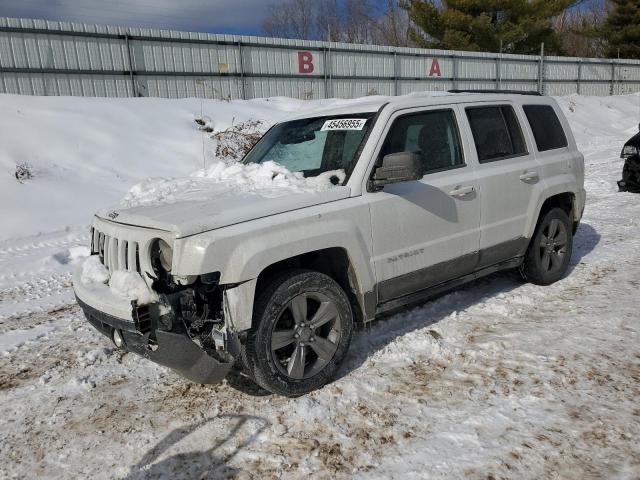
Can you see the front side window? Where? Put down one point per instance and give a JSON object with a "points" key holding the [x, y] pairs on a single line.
{"points": [[433, 135], [314, 145], [546, 127], [496, 132]]}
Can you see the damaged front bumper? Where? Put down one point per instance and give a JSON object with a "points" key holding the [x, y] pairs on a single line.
{"points": [[142, 334]]}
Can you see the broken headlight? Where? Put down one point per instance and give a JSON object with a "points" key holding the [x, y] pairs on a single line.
{"points": [[161, 257], [629, 151]]}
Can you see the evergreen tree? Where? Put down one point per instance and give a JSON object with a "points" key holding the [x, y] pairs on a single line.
{"points": [[480, 25], [622, 29]]}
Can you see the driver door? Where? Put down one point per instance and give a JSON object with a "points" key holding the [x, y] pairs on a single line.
{"points": [[425, 232]]}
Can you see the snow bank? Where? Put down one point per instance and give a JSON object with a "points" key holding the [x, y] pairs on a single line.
{"points": [[131, 286], [93, 150], [597, 122]]}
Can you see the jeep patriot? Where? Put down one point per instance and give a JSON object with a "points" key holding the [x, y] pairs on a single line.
{"points": [[433, 191]]}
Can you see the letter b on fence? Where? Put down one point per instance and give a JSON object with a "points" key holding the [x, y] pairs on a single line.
{"points": [[305, 62]]}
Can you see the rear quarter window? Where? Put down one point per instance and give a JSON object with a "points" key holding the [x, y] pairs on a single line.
{"points": [[496, 132], [546, 127]]}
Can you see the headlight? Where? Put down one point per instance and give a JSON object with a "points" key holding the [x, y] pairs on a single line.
{"points": [[161, 256], [629, 151]]}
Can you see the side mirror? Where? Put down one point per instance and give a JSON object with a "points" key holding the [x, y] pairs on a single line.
{"points": [[398, 167]]}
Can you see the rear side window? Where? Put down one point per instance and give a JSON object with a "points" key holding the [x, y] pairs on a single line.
{"points": [[496, 132], [546, 127], [433, 135]]}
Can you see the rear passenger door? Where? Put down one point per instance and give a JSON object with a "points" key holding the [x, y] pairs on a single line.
{"points": [[555, 157], [507, 175]]}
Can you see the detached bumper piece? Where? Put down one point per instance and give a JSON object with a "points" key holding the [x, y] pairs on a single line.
{"points": [[171, 349], [630, 175]]}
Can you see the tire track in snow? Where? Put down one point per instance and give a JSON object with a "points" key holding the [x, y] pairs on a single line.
{"points": [[36, 272], [36, 296], [19, 250]]}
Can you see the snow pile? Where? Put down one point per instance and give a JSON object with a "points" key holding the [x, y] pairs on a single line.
{"points": [[93, 271], [156, 191], [74, 254], [269, 176], [131, 286], [267, 179]]}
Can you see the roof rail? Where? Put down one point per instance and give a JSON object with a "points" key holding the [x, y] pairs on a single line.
{"points": [[510, 92]]}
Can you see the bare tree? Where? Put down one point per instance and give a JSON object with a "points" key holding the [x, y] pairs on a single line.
{"points": [[581, 31], [293, 19], [358, 21], [329, 25], [353, 21], [277, 23], [394, 26]]}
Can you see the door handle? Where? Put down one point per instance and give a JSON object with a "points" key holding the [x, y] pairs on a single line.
{"points": [[459, 192], [529, 176]]}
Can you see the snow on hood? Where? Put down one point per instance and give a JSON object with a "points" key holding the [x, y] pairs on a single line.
{"points": [[224, 194], [267, 179]]}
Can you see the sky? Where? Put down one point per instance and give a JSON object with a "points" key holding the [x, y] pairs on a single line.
{"points": [[215, 16]]}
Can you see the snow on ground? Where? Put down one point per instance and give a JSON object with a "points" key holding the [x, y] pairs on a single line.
{"points": [[499, 379]]}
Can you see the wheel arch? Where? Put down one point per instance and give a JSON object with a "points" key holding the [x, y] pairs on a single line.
{"points": [[334, 262], [565, 200]]}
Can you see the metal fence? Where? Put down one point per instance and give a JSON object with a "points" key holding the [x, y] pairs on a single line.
{"points": [[40, 57]]}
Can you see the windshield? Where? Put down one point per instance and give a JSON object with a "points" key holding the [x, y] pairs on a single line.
{"points": [[314, 145]]}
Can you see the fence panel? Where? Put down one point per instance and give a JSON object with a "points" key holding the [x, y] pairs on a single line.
{"points": [[40, 57]]}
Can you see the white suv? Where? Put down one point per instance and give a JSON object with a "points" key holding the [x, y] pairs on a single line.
{"points": [[432, 191]]}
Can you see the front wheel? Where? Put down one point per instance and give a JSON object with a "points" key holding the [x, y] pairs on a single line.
{"points": [[547, 258], [302, 329]]}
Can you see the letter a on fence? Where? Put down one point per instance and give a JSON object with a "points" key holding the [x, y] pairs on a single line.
{"points": [[435, 68]]}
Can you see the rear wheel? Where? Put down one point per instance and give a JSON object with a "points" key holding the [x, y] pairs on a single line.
{"points": [[547, 258], [303, 325]]}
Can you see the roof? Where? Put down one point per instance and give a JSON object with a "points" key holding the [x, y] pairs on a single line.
{"points": [[417, 99]]}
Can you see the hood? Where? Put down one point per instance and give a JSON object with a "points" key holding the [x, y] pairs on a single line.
{"points": [[218, 207]]}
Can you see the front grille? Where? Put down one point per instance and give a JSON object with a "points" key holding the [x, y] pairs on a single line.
{"points": [[116, 254]]}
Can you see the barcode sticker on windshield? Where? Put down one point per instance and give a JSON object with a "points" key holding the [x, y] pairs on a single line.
{"points": [[344, 124]]}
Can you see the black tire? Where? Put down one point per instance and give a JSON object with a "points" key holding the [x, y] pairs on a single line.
{"points": [[309, 360], [549, 252]]}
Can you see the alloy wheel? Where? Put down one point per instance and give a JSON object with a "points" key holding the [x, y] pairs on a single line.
{"points": [[306, 335], [553, 245]]}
